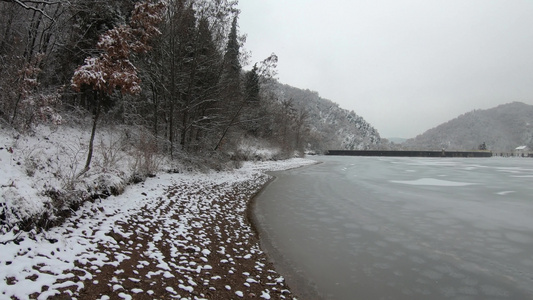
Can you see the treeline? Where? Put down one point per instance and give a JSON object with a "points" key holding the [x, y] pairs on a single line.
{"points": [[173, 67]]}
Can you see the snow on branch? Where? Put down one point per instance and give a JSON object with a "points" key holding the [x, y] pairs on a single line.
{"points": [[113, 69], [32, 5]]}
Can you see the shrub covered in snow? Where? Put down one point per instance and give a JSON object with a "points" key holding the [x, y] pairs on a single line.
{"points": [[253, 149], [41, 180], [43, 177]]}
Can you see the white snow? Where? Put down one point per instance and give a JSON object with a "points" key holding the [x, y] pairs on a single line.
{"points": [[265, 295], [186, 288], [41, 259], [49, 161]]}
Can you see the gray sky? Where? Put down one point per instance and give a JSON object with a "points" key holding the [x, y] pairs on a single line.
{"points": [[404, 66]]}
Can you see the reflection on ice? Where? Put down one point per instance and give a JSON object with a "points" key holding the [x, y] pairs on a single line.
{"points": [[503, 193], [432, 181]]}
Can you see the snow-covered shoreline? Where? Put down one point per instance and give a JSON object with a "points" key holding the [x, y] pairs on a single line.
{"points": [[44, 178], [189, 230]]}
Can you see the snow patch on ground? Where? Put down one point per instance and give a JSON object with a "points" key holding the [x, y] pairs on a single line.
{"points": [[171, 210], [41, 172]]}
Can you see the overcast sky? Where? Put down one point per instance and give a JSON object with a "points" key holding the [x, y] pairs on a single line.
{"points": [[404, 66]]}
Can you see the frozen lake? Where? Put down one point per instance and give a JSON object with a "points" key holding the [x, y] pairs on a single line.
{"points": [[402, 228]]}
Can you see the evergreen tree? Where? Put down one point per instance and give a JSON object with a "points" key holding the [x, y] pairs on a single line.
{"points": [[231, 58], [187, 43], [251, 85], [204, 113], [232, 67], [253, 110], [231, 82]]}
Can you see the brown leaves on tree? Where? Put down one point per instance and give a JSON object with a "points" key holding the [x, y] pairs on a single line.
{"points": [[28, 76], [145, 18], [112, 68]]}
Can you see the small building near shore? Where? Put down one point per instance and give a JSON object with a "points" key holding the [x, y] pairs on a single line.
{"points": [[521, 151]]}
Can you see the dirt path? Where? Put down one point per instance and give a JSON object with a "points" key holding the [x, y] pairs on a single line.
{"points": [[194, 242], [177, 236]]}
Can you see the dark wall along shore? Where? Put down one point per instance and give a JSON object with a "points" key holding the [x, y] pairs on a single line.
{"points": [[411, 153]]}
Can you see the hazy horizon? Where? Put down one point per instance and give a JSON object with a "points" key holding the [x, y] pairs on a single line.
{"points": [[404, 66]]}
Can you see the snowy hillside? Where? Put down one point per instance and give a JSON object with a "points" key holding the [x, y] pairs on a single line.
{"points": [[113, 233], [183, 236], [331, 126], [42, 179], [41, 176], [502, 129]]}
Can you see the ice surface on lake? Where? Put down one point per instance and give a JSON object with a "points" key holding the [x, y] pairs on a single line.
{"points": [[387, 228], [431, 181], [503, 193]]}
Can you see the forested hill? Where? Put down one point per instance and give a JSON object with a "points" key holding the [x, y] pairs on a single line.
{"points": [[502, 129], [330, 126], [171, 69]]}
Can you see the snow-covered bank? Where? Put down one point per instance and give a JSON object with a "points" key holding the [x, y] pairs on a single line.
{"points": [[178, 235], [42, 179]]}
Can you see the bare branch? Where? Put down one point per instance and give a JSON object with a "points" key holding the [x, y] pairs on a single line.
{"points": [[26, 5]]}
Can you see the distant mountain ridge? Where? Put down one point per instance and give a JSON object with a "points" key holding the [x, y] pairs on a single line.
{"points": [[331, 126], [502, 129]]}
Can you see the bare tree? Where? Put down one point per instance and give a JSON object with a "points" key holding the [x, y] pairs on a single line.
{"points": [[28, 39], [35, 5]]}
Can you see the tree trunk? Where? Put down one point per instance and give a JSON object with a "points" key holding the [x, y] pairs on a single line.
{"points": [[7, 33], [15, 109], [32, 36], [184, 129], [156, 108], [228, 127], [93, 133], [172, 88], [171, 127]]}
